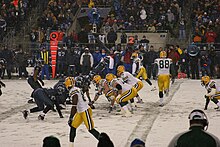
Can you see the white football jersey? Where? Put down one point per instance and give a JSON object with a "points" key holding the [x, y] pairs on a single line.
{"points": [[136, 64], [129, 78], [211, 85], [82, 105], [125, 86], [163, 65]]}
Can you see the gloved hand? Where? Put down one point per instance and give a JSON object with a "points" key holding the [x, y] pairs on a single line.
{"points": [[91, 104], [206, 96], [70, 122]]}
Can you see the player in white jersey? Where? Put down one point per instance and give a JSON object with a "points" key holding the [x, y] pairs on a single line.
{"points": [[138, 70], [164, 69], [80, 111], [213, 91], [122, 91], [103, 87], [131, 80]]}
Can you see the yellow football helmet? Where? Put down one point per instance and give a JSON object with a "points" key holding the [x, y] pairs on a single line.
{"points": [[109, 77], [69, 82], [134, 55], [96, 79], [205, 80], [163, 54], [120, 69]]}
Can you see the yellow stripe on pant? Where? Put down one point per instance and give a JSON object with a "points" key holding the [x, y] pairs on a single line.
{"points": [[138, 86], [127, 95], [85, 117]]}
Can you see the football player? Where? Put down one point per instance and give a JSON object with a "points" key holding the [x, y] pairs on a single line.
{"points": [[103, 87], [122, 91], [164, 69], [80, 111], [131, 80], [213, 91], [34, 80], [138, 70]]}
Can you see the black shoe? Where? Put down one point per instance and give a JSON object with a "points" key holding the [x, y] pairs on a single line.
{"points": [[41, 117], [110, 109], [25, 114], [31, 101]]}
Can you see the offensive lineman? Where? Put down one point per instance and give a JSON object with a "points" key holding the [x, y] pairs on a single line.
{"points": [[103, 87], [122, 91], [80, 111], [163, 68], [131, 80], [138, 70], [213, 91]]}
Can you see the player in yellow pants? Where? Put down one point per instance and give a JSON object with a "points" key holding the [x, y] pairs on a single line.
{"points": [[80, 111], [122, 91]]}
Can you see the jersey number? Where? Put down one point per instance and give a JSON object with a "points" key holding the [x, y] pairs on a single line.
{"points": [[164, 63]]}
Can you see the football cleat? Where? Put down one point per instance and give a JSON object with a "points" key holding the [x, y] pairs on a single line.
{"points": [[41, 117], [110, 109], [25, 114], [31, 101], [153, 89], [216, 108], [166, 92], [161, 105], [140, 101]]}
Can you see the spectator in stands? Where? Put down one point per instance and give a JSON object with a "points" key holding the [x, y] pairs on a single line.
{"points": [[8, 55], [144, 41], [210, 36], [33, 38], [213, 58], [151, 28], [83, 36], [205, 63], [170, 18], [97, 56], [149, 58], [184, 63], [126, 58], [111, 37], [86, 61], [174, 55], [61, 62], [182, 27], [21, 61]]}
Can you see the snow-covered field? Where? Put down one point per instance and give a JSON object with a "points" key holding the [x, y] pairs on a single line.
{"points": [[153, 124]]}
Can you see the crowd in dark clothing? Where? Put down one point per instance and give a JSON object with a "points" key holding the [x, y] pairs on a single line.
{"points": [[205, 19], [13, 12]]}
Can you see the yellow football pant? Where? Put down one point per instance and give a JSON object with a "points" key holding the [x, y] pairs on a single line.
{"points": [[138, 86], [142, 73], [163, 82], [85, 117], [127, 95]]}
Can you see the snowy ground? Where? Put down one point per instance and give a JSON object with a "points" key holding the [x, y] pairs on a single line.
{"points": [[153, 124]]}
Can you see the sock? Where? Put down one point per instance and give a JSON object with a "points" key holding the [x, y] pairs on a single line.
{"points": [[161, 100], [71, 144]]}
